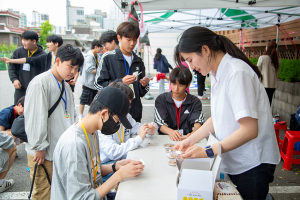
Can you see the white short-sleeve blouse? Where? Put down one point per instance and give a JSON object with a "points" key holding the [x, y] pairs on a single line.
{"points": [[236, 92]]}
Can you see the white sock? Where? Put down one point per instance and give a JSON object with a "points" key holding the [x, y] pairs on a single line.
{"points": [[1, 182]]}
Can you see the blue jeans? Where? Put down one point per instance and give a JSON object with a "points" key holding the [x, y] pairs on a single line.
{"points": [[105, 178], [254, 183]]}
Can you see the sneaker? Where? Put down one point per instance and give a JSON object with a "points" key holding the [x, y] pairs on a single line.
{"points": [[6, 185], [202, 97]]}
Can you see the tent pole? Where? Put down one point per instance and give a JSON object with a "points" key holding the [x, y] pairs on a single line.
{"points": [[240, 39], [148, 64], [148, 95], [277, 36]]}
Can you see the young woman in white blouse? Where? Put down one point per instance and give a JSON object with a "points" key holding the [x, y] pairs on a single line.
{"points": [[241, 116]]}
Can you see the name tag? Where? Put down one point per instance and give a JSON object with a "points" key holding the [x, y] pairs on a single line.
{"points": [[68, 121], [181, 131], [26, 67], [131, 87]]}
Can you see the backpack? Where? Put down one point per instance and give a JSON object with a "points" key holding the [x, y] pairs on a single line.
{"points": [[18, 126]]}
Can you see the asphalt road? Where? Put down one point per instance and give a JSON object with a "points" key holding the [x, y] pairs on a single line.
{"points": [[286, 184]]}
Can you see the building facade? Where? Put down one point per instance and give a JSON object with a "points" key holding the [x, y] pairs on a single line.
{"points": [[38, 18], [75, 15], [23, 20]]}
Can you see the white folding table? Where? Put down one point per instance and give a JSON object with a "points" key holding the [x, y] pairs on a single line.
{"points": [[158, 180]]}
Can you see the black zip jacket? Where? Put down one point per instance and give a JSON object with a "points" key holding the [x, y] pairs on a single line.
{"points": [[165, 113], [16, 72], [43, 62], [112, 69]]}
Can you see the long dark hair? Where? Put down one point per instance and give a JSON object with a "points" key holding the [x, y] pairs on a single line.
{"points": [[158, 54], [195, 37], [271, 51]]}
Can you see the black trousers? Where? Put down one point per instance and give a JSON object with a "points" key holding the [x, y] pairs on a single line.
{"points": [[254, 183], [18, 94], [201, 84], [270, 92]]}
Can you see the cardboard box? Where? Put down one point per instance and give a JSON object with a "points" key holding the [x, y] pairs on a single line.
{"points": [[196, 177], [226, 191]]}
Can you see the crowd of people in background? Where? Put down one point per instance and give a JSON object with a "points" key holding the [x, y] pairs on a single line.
{"points": [[72, 157]]}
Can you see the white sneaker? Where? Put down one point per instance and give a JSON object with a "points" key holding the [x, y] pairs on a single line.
{"points": [[6, 185]]}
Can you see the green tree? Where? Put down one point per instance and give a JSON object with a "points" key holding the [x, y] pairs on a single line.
{"points": [[3, 47], [12, 47], [47, 29]]}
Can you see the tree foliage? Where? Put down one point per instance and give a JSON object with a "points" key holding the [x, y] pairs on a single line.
{"points": [[4, 47], [47, 29], [12, 47], [289, 69]]}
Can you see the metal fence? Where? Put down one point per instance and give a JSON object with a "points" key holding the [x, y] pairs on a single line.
{"points": [[3, 66]]}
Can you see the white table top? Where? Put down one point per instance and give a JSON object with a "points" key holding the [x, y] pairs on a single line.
{"points": [[158, 180]]}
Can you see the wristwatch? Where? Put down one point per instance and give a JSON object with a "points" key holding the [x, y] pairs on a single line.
{"points": [[114, 167], [209, 152]]}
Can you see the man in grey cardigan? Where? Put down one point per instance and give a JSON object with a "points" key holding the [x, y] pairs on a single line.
{"points": [[88, 76], [7, 155]]}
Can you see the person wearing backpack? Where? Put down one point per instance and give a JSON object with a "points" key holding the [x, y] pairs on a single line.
{"points": [[43, 132]]}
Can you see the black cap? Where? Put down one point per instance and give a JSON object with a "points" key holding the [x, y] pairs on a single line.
{"points": [[116, 101]]}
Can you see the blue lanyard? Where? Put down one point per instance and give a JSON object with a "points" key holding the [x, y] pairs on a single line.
{"points": [[63, 97], [127, 70]]}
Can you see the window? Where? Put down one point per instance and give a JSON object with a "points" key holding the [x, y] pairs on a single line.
{"points": [[80, 20], [80, 12], [16, 40]]}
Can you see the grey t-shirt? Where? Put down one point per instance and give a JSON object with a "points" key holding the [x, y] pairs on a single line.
{"points": [[73, 175]]}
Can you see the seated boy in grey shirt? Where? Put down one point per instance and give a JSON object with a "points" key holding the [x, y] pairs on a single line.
{"points": [[77, 169]]}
